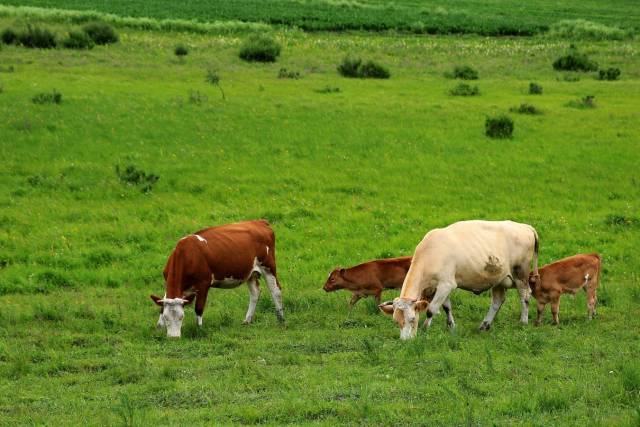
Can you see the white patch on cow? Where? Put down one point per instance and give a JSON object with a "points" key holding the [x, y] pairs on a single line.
{"points": [[160, 323], [172, 314], [199, 320], [202, 239], [267, 250], [586, 278]]}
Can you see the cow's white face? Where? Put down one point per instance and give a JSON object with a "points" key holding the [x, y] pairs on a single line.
{"points": [[406, 313], [172, 314]]}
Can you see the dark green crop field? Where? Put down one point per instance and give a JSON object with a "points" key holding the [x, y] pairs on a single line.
{"points": [[492, 17], [346, 170]]}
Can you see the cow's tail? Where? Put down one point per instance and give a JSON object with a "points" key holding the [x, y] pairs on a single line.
{"points": [[536, 246]]}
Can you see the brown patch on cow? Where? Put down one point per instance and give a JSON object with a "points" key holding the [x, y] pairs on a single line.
{"points": [[493, 265]]}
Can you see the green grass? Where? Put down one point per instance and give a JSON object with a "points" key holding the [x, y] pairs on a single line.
{"points": [[495, 17], [343, 177]]}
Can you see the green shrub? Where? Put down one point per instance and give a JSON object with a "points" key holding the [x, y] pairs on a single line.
{"points": [[464, 89], [196, 97], [101, 33], [180, 50], [78, 40], [213, 78], [464, 72], [37, 38], [574, 60], [535, 89], [609, 74], [9, 36], [580, 29], [586, 102], [570, 78], [47, 98], [355, 68], [260, 48], [328, 89], [525, 109], [286, 74], [137, 177], [499, 127]]}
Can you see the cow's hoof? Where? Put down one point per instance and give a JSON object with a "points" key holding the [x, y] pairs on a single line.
{"points": [[485, 326], [451, 325], [247, 321]]}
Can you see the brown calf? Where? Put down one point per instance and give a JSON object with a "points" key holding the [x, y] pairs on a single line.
{"points": [[369, 278], [566, 276]]}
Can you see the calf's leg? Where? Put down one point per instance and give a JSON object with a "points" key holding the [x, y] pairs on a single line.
{"points": [[555, 308], [497, 298], [592, 298], [254, 296], [540, 307], [354, 299]]}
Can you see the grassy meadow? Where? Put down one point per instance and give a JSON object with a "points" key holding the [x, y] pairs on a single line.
{"points": [[343, 177]]}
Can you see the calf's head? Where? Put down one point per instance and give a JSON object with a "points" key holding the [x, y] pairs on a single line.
{"points": [[172, 313], [335, 281], [405, 312]]}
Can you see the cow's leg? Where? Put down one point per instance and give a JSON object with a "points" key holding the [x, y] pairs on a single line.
{"points": [[354, 299], [525, 293], [276, 294], [447, 309], [428, 319], [201, 302], [497, 298], [443, 290], [555, 308], [540, 308], [591, 297], [254, 296]]}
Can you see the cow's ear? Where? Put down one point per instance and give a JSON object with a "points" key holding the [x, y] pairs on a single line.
{"points": [[422, 305], [341, 271], [188, 300], [386, 308], [157, 300]]}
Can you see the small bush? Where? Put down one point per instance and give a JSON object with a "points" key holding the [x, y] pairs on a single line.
{"points": [[464, 89], [286, 74], [78, 40], [328, 89], [101, 33], [54, 97], [181, 50], [137, 177], [213, 78], [609, 74], [499, 127], [355, 68], [525, 109], [196, 97], [464, 72], [260, 48], [574, 60], [37, 38], [535, 89], [9, 36], [588, 101], [580, 29], [570, 78]]}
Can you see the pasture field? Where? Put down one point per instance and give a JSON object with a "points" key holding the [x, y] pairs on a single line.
{"points": [[493, 17], [343, 177]]}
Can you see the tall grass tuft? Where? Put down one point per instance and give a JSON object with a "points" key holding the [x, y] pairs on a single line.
{"points": [[78, 40], [260, 48], [354, 68], [37, 38], [581, 29], [574, 60], [499, 127], [101, 33]]}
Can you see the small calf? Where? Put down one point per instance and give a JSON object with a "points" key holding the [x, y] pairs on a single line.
{"points": [[566, 276], [369, 278]]}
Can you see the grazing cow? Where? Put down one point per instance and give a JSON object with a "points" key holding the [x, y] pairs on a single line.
{"points": [[369, 278], [566, 276], [218, 257], [471, 255]]}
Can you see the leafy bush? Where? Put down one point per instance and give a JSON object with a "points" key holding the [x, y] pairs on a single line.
{"points": [[260, 48], [588, 101], [286, 74], [525, 109], [9, 36], [499, 127], [464, 89], [47, 98], [328, 89], [180, 50], [580, 29], [535, 89], [574, 60], [78, 40], [37, 38], [137, 177], [464, 72], [101, 33], [609, 74], [355, 68]]}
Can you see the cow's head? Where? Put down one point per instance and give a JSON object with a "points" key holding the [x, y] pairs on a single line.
{"points": [[335, 281], [405, 312], [172, 313], [534, 279]]}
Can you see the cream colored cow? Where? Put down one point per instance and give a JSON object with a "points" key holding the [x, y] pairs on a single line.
{"points": [[470, 255]]}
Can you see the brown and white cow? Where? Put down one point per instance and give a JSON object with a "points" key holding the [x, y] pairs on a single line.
{"points": [[471, 255], [218, 257], [567, 275]]}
